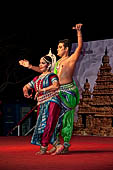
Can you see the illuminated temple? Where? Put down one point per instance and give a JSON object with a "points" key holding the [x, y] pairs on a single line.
{"points": [[95, 110]]}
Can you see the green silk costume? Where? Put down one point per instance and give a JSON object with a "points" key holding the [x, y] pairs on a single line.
{"points": [[69, 95]]}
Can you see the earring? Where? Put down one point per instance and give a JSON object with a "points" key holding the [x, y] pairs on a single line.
{"points": [[49, 67]]}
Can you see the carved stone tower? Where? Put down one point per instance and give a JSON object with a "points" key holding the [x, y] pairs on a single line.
{"points": [[95, 114]]}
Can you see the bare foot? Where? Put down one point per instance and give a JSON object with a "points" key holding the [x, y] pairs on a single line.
{"points": [[53, 149], [65, 150], [42, 151], [58, 150]]}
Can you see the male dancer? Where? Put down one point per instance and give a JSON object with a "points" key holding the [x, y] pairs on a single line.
{"points": [[68, 90]]}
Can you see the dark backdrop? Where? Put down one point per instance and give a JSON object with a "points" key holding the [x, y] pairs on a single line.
{"points": [[29, 30]]}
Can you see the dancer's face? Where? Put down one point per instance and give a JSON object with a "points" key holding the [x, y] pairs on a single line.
{"points": [[43, 65], [61, 50]]}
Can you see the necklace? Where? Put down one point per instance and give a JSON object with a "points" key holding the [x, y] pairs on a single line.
{"points": [[43, 75], [40, 78]]}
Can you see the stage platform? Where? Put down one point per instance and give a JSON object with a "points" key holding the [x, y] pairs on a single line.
{"points": [[86, 153]]}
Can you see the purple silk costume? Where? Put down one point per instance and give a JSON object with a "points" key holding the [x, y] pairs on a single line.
{"points": [[48, 111]]}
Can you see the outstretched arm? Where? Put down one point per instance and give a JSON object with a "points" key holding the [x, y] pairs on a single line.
{"points": [[25, 63], [75, 55]]}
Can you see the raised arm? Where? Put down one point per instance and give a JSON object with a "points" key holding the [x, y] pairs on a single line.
{"points": [[75, 55], [25, 63]]}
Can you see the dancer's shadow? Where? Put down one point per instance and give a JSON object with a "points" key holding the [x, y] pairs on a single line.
{"points": [[87, 152]]}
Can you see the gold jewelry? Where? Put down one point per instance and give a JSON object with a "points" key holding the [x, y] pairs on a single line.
{"points": [[44, 90]]}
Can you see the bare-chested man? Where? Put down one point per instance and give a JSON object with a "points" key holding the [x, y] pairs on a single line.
{"points": [[69, 94]]}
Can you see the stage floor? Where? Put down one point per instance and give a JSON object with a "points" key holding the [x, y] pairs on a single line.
{"points": [[86, 153]]}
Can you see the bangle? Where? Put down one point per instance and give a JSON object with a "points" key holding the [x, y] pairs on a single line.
{"points": [[30, 66], [44, 90]]}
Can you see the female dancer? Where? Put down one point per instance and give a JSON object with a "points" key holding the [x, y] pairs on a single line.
{"points": [[48, 104]]}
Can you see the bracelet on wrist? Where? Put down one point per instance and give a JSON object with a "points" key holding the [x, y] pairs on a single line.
{"points": [[44, 90], [30, 66]]}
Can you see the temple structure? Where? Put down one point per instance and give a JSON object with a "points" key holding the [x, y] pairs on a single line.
{"points": [[95, 111]]}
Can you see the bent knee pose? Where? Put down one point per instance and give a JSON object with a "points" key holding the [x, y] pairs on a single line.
{"points": [[69, 94], [48, 105]]}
